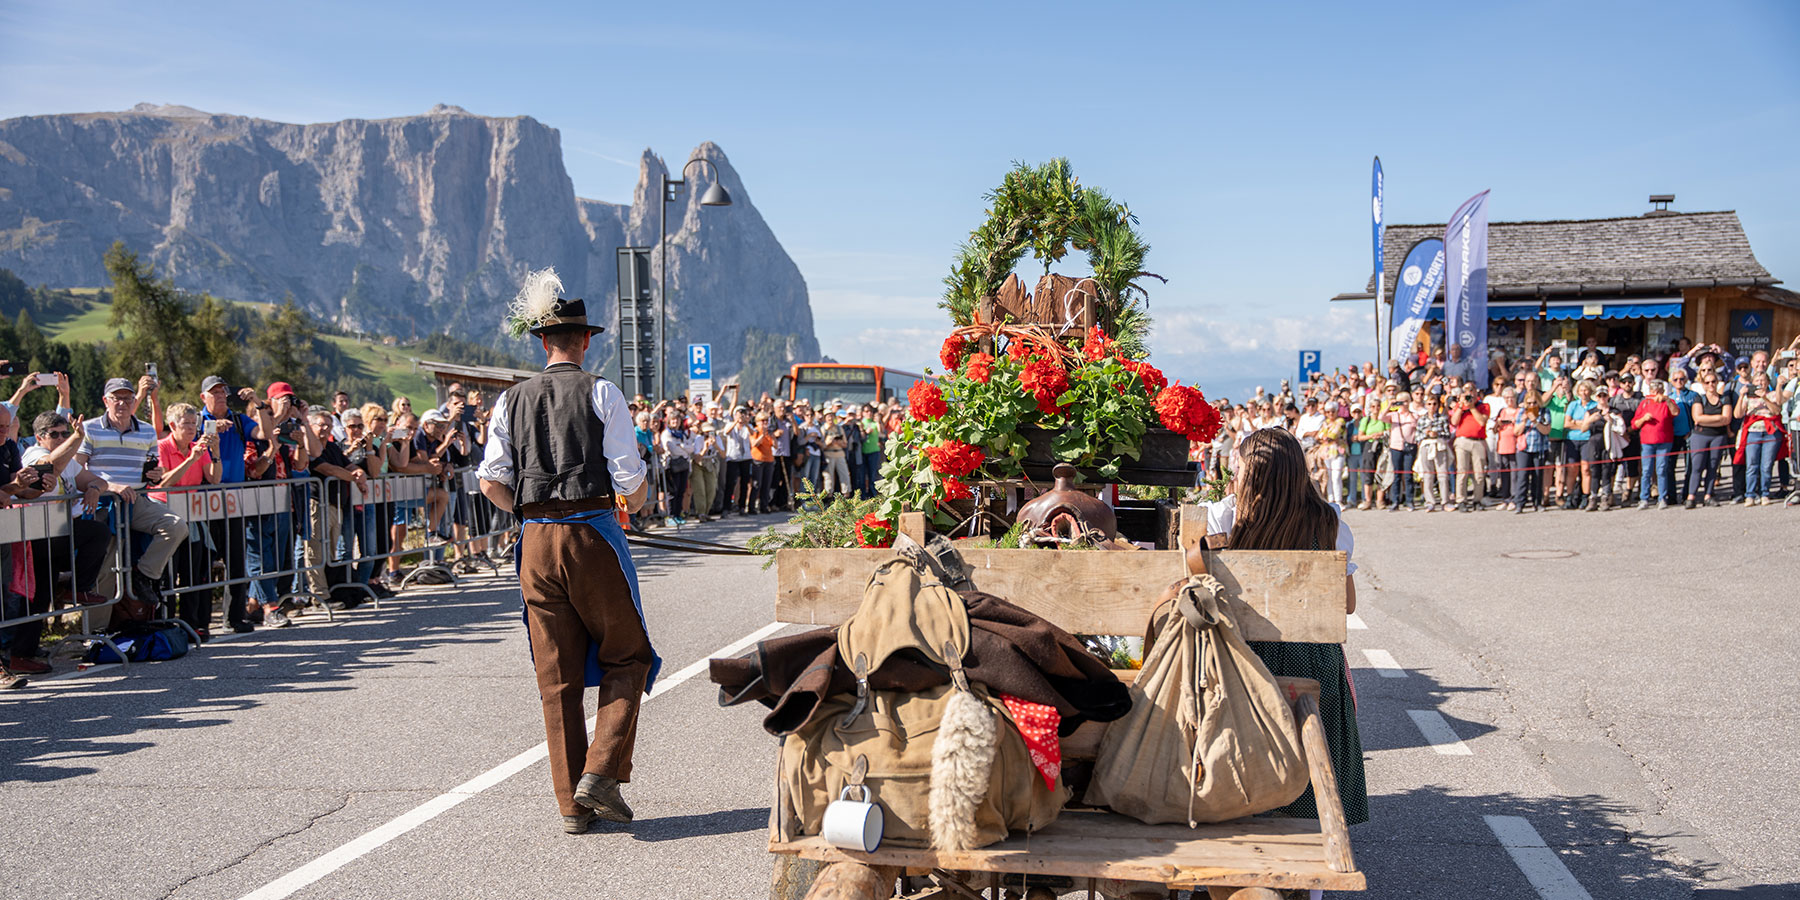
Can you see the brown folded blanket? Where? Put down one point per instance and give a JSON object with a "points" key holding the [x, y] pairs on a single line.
{"points": [[1011, 652]]}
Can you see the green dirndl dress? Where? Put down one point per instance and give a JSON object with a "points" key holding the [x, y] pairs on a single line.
{"points": [[1324, 663]]}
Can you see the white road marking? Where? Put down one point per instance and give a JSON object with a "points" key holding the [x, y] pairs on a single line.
{"points": [[80, 672], [288, 884], [1354, 622], [1542, 867], [1384, 663], [1438, 733]]}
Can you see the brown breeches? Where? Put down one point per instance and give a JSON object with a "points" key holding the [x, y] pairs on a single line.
{"points": [[575, 592]]}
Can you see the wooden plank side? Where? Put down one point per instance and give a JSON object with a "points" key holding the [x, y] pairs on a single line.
{"points": [[1177, 858], [1274, 595]]}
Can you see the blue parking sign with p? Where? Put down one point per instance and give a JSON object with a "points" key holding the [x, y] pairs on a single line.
{"points": [[1309, 365], [699, 362]]}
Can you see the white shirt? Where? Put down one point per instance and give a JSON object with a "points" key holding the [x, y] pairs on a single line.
{"points": [[620, 445], [1221, 515], [35, 454], [737, 442]]}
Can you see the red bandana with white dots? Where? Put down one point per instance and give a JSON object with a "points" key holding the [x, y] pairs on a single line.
{"points": [[1037, 724]]}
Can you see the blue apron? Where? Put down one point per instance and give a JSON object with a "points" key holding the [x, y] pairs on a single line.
{"points": [[605, 522]]}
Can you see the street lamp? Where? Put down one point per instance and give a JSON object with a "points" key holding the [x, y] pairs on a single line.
{"points": [[714, 196]]}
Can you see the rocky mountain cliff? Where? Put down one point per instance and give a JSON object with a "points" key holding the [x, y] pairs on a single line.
{"points": [[397, 226]]}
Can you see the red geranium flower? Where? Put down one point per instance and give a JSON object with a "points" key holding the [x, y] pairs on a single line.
{"points": [[980, 368], [1152, 377], [955, 458], [1184, 410], [956, 490], [925, 402], [874, 531], [951, 353], [1097, 346], [1019, 349], [1046, 381]]}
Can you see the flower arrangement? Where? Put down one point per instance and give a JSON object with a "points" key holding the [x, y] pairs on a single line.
{"points": [[965, 428]]}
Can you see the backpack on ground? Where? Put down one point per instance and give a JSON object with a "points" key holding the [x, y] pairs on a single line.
{"points": [[156, 644]]}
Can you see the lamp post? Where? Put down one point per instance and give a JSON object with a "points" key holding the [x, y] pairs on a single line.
{"points": [[714, 196]]}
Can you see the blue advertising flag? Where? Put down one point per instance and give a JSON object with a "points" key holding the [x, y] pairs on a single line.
{"points": [[1420, 276], [1375, 213], [1466, 286]]}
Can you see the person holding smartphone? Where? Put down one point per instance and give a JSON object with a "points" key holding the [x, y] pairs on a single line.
{"points": [[117, 445], [189, 457]]}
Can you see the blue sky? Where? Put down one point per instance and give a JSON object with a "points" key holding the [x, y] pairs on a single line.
{"points": [[866, 134]]}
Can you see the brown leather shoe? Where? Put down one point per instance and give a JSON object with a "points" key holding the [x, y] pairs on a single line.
{"points": [[601, 794], [25, 665], [578, 823]]}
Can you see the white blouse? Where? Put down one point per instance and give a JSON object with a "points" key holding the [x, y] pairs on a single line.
{"points": [[1221, 515]]}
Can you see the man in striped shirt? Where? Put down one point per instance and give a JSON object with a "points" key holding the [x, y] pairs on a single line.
{"points": [[121, 449]]}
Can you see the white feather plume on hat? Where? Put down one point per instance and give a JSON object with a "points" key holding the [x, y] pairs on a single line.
{"points": [[535, 302]]}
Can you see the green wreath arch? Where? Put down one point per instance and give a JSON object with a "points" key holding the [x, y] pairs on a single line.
{"points": [[1044, 209]]}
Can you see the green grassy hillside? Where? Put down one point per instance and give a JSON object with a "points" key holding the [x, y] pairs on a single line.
{"points": [[390, 365]]}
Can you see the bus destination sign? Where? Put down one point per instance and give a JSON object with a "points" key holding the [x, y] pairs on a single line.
{"points": [[838, 375]]}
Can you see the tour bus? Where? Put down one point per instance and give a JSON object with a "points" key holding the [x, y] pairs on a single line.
{"points": [[821, 383]]}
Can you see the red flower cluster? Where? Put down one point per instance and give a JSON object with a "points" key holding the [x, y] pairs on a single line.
{"points": [[1184, 410], [1045, 380], [874, 531], [1151, 376], [951, 353], [955, 458], [924, 401], [980, 368], [1097, 346], [956, 490], [1019, 349]]}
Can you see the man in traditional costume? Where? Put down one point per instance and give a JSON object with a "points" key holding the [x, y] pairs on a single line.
{"points": [[562, 455]]}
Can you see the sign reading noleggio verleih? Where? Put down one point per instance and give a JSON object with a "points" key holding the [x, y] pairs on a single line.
{"points": [[1420, 276], [1466, 281]]}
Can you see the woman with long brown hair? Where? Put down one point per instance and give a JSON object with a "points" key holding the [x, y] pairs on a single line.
{"points": [[1273, 505]]}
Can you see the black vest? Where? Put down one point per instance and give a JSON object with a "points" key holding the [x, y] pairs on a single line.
{"points": [[557, 439]]}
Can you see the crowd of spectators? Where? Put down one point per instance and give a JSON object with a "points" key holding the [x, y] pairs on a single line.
{"points": [[1571, 429], [337, 546], [710, 461]]}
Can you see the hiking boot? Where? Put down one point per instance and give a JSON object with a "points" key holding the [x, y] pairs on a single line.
{"points": [[601, 794], [578, 823], [144, 588], [25, 665]]}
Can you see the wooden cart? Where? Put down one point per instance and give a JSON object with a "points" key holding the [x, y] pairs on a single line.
{"points": [[1287, 596]]}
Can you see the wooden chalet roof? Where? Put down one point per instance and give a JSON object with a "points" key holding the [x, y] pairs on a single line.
{"points": [[1639, 254]]}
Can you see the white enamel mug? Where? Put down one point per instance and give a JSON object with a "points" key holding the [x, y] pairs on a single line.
{"points": [[853, 824]]}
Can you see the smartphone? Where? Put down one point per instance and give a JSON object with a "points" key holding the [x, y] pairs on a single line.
{"points": [[46, 379], [150, 370], [12, 368], [1559, 345], [212, 426], [44, 469]]}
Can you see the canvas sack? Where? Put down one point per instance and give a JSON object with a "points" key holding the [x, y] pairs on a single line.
{"points": [[1209, 737]]}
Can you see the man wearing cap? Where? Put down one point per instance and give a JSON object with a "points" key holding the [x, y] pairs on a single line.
{"points": [[121, 449], [562, 454], [234, 430]]}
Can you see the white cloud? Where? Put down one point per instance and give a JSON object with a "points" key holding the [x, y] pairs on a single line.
{"points": [[1229, 357]]}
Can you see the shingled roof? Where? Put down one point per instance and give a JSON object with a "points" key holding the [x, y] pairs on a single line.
{"points": [[1639, 254]]}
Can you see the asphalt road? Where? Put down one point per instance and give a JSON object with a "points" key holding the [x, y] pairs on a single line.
{"points": [[1633, 705]]}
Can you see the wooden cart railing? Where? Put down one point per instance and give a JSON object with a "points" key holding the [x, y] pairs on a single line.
{"points": [[1274, 596]]}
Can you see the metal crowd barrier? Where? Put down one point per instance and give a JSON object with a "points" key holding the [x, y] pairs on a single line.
{"points": [[36, 524], [224, 514]]}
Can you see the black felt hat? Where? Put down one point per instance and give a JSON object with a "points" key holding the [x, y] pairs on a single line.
{"points": [[566, 315]]}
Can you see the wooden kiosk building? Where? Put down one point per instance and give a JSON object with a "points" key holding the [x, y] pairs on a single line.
{"points": [[1636, 284]]}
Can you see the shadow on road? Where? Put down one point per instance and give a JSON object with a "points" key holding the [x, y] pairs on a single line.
{"points": [[89, 718], [1418, 690], [676, 828], [1418, 843]]}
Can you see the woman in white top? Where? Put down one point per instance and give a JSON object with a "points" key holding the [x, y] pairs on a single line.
{"points": [[1274, 506]]}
